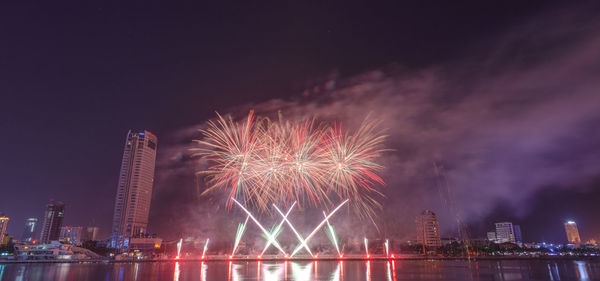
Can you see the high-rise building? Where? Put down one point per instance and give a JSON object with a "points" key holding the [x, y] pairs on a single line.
{"points": [[55, 211], [29, 231], [3, 226], [72, 234], [518, 235], [505, 232], [572, 233], [132, 202], [491, 236], [92, 233], [428, 229]]}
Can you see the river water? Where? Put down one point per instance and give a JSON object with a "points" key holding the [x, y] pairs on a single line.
{"points": [[321, 270]]}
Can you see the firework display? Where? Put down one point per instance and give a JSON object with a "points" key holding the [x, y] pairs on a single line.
{"points": [[259, 161]]}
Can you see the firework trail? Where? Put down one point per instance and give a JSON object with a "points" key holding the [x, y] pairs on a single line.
{"points": [[179, 247], [238, 235], [205, 248], [332, 235], [277, 230], [259, 161]]}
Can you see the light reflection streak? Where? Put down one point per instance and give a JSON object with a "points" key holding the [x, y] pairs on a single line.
{"points": [[335, 276], [272, 272], [258, 271], [229, 272], [176, 272], [368, 271], [582, 271], [302, 273], [203, 271], [394, 270]]}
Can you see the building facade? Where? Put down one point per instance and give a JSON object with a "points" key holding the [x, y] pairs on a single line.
{"points": [[3, 226], [505, 232], [572, 233], [72, 234], [518, 235], [428, 229], [491, 236], [29, 231], [53, 217], [134, 191], [92, 233]]}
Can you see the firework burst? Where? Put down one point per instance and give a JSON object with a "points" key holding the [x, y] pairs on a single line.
{"points": [[261, 161]]}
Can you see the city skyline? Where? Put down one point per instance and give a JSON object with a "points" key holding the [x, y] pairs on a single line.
{"points": [[491, 110]]}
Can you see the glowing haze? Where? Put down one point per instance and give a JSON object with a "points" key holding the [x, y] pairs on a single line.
{"points": [[500, 126]]}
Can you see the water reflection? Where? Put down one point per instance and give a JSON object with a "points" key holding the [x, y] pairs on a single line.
{"points": [[176, 272], [336, 275], [308, 270], [581, 271], [272, 272], [203, 271], [301, 272]]}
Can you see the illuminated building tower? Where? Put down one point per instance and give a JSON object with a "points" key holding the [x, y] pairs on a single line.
{"points": [[505, 232], [72, 234], [3, 225], [132, 202], [55, 211], [428, 229], [29, 231], [572, 233], [518, 235]]}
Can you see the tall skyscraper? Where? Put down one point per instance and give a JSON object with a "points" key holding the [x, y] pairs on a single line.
{"points": [[518, 235], [428, 229], [572, 233], [3, 226], [132, 203], [505, 232], [29, 231], [55, 211]]}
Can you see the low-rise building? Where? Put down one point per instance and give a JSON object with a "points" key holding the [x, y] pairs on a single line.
{"points": [[52, 251]]}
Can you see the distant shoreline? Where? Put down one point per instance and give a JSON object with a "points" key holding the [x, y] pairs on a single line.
{"points": [[224, 259]]}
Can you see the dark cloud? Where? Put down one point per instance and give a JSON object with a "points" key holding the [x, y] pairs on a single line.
{"points": [[513, 116]]}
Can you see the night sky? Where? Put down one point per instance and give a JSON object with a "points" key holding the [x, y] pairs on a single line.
{"points": [[505, 96]]}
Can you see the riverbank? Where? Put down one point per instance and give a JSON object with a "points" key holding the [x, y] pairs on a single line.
{"points": [[307, 258]]}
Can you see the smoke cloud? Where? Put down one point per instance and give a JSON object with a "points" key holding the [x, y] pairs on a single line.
{"points": [[511, 117]]}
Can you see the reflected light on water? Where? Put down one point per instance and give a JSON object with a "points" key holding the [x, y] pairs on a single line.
{"points": [[302, 272], [202, 271], [258, 271], [335, 275], [273, 272], [582, 273], [63, 271], [376, 270], [176, 272]]}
